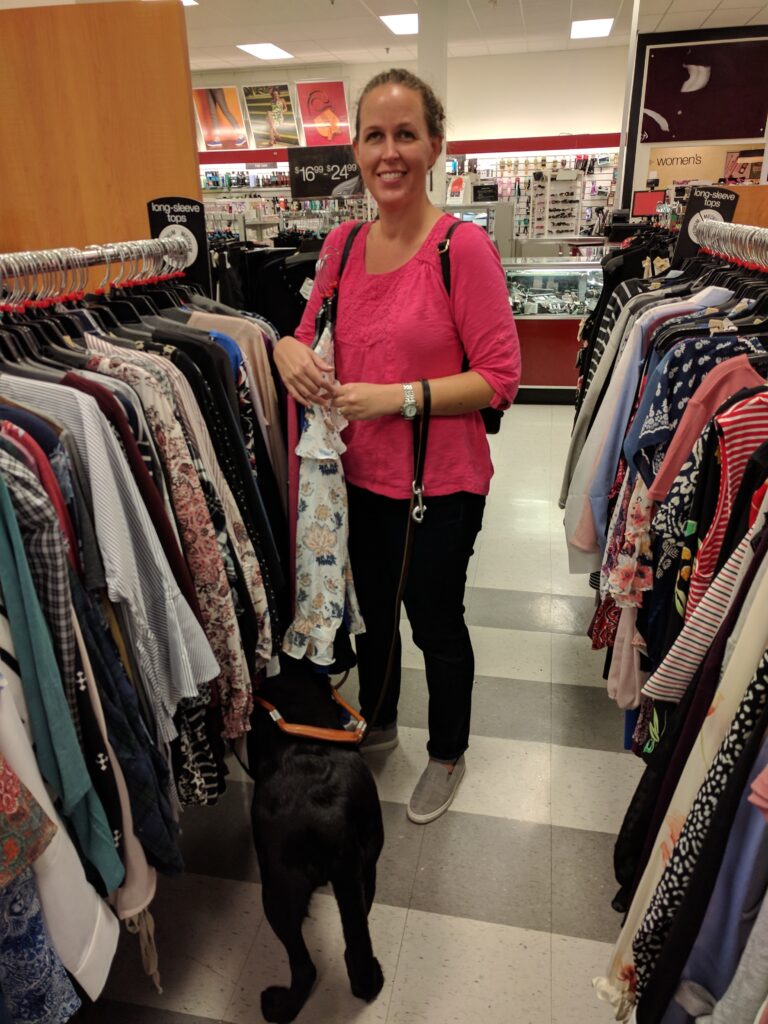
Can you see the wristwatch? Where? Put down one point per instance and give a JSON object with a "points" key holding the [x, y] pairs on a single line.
{"points": [[409, 409]]}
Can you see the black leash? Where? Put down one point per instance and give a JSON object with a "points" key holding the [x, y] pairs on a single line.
{"points": [[416, 512]]}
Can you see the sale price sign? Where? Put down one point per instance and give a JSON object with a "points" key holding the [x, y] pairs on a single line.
{"points": [[322, 172]]}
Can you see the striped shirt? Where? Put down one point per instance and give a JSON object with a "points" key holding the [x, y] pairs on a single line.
{"points": [[670, 681], [168, 643], [742, 429]]}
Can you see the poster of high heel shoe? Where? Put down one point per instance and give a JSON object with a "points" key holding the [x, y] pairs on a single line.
{"points": [[272, 117], [220, 118], [324, 115]]}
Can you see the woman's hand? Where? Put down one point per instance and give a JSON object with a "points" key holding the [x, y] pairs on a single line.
{"points": [[306, 376], [367, 401]]}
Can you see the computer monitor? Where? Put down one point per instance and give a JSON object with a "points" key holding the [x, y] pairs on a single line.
{"points": [[644, 203]]}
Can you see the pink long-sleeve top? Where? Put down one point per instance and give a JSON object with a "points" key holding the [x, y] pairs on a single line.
{"points": [[402, 326]]}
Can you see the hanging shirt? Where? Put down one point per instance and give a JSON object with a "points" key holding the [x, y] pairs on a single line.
{"points": [[719, 384], [58, 753], [587, 504], [198, 536], [169, 644], [741, 430]]}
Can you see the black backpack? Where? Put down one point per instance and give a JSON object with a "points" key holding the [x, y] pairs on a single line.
{"points": [[491, 417]]}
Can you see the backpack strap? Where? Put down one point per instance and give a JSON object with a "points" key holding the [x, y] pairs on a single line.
{"points": [[443, 247]]}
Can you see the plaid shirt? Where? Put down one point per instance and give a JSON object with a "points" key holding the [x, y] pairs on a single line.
{"points": [[45, 547]]}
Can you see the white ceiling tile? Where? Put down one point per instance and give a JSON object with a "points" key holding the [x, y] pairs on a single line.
{"points": [[692, 5], [654, 6], [648, 22], [391, 6], [682, 20], [761, 18], [731, 17], [583, 10]]}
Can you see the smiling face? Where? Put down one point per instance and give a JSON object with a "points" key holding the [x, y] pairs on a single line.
{"points": [[394, 149]]}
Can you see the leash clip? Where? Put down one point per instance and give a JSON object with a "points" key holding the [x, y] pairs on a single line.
{"points": [[417, 513]]}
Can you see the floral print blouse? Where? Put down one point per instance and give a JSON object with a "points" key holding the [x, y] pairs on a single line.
{"points": [[325, 592]]}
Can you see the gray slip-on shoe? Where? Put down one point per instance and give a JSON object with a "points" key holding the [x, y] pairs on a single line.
{"points": [[378, 739], [435, 790]]}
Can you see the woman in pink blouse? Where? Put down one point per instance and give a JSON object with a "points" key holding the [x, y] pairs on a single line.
{"points": [[395, 326]]}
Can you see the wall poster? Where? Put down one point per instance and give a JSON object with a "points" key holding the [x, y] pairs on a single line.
{"points": [[272, 117], [324, 114], [220, 118], [704, 91]]}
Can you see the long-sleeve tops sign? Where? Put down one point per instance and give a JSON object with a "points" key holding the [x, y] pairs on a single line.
{"points": [[322, 172]]}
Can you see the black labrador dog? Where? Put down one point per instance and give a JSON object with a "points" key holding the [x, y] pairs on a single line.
{"points": [[316, 819]]}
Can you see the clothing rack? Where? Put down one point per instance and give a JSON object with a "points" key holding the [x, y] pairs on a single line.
{"points": [[737, 243], [127, 412], [45, 273]]}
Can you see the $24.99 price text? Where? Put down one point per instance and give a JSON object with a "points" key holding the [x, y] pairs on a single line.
{"points": [[336, 172]]}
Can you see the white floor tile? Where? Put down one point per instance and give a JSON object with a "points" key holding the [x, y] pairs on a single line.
{"points": [[504, 779], [506, 653], [574, 662], [506, 565], [453, 971], [575, 962], [205, 928], [591, 789], [331, 1000]]}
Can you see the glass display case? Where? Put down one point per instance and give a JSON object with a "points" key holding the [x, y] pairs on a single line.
{"points": [[553, 288], [550, 298]]}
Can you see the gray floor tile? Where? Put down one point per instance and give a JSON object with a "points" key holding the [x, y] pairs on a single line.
{"points": [[487, 869], [583, 885], [400, 857], [522, 609], [584, 716], [571, 614], [128, 1013], [505, 708], [216, 841], [508, 609], [515, 709]]}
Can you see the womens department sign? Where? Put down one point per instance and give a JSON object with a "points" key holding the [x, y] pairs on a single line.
{"points": [[324, 172]]}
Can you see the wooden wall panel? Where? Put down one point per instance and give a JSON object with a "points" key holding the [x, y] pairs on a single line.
{"points": [[752, 207], [95, 119]]}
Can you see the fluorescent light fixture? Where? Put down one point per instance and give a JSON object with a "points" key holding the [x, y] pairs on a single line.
{"points": [[264, 51], [189, 3], [402, 24], [592, 29]]}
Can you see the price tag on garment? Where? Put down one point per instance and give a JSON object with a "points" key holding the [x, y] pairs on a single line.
{"points": [[306, 289], [722, 326]]}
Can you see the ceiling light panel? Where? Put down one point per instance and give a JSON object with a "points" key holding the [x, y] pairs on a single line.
{"points": [[265, 51], [401, 24], [189, 3], [594, 28]]}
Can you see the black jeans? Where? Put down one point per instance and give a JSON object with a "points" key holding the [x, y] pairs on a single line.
{"points": [[434, 602]]}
